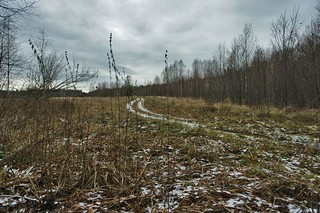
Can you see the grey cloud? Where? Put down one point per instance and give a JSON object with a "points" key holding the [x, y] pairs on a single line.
{"points": [[144, 29]]}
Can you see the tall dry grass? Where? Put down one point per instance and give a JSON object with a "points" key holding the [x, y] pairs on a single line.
{"points": [[67, 147]]}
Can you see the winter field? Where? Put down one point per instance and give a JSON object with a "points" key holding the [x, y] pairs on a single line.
{"points": [[157, 154]]}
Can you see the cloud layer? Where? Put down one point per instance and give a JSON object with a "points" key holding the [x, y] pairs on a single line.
{"points": [[144, 29]]}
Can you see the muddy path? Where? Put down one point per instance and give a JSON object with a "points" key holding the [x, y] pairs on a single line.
{"points": [[143, 112], [247, 160], [266, 131]]}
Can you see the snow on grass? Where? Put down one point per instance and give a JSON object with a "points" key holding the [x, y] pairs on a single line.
{"points": [[229, 165], [14, 200], [151, 115]]}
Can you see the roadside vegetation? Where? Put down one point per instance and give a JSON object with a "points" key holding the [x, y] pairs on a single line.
{"points": [[75, 156]]}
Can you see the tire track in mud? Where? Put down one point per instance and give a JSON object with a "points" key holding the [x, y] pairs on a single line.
{"points": [[241, 194], [271, 134], [143, 112]]}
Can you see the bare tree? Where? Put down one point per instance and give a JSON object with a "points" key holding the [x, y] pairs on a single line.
{"points": [[221, 58], [10, 60], [197, 68], [181, 68], [234, 70], [284, 39], [247, 42], [53, 71], [309, 66], [258, 78], [11, 13], [15, 8]]}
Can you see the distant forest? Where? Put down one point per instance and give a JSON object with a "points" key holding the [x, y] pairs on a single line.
{"points": [[285, 74]]}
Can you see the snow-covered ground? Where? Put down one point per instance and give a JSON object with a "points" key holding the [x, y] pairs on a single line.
{"points": [[221, 166], [188, 183]]}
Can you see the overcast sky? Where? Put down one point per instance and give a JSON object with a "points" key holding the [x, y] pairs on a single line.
{"points": [[144, 29]]}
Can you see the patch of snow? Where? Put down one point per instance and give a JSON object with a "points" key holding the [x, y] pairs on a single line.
{"points": [[145, 191], [82, 204], [234, 202], [301, 139], [182, 167], [156, 116]]}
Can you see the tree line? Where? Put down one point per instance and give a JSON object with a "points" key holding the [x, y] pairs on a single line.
{"points": [[287, 73]]}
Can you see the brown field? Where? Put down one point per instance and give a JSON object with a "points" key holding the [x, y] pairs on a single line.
{"points": [[91, 154]]}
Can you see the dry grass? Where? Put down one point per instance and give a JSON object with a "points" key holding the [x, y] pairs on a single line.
{"points": [[77, 154], [179, 107]]}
